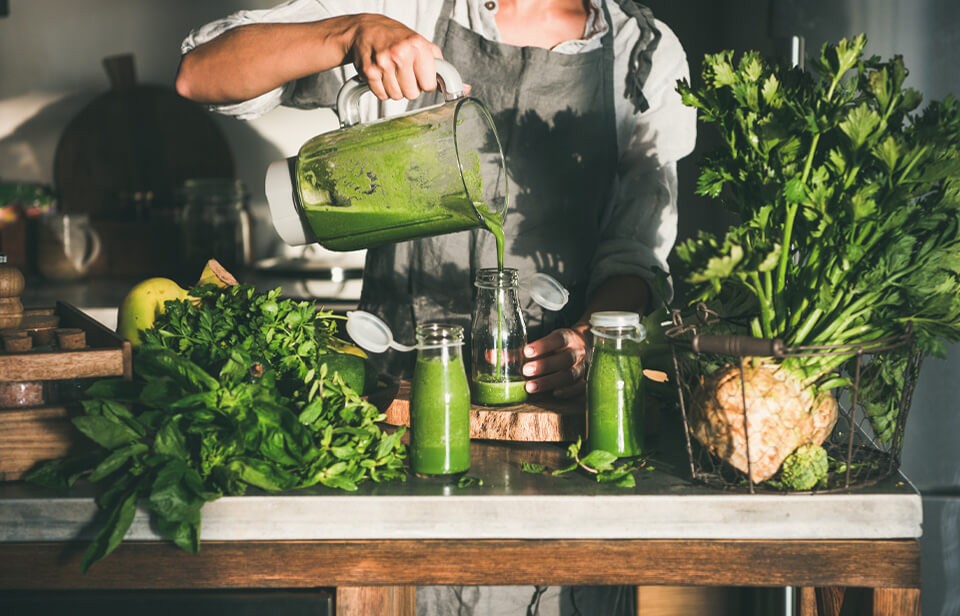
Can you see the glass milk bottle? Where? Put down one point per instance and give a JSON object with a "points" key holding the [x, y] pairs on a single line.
{"points": [[439, 403], [615, 403], [498, 335]]}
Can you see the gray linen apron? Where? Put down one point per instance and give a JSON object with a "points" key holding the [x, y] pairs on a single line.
{"points": [[555, 116], [556, 120]]}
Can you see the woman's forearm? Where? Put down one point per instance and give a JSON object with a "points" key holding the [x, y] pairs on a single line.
{"points": [[250, 60]]}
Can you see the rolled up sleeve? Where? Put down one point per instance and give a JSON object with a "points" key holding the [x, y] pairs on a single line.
{"points": [[292, 11], [639, 225]]}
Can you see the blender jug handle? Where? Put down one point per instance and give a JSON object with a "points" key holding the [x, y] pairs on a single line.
{"points": [[348, 99]]}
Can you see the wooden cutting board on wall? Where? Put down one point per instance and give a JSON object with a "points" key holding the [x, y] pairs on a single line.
{"points": [[133, 146]]}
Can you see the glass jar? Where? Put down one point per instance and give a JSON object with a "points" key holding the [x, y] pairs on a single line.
{"points": [[439, 403], [215, 224], [20, 394], [615, 403], [498, 335]]}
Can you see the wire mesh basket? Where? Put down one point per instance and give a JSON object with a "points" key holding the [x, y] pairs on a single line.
{"points": [[754, 423]]}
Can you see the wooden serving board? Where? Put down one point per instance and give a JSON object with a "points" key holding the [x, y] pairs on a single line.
{"points": [[135, 139], [541, 418]]}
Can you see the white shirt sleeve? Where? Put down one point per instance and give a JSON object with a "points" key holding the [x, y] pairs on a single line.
{"points": [[639, 225]]}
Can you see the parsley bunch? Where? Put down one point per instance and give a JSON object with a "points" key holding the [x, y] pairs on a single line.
{"points": [[229, 391]]}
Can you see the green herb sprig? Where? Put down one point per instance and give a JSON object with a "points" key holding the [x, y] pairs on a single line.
{"points": [[599, 463]]}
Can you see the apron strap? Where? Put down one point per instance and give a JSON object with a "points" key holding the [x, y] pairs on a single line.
{"points": [[641, 56]]}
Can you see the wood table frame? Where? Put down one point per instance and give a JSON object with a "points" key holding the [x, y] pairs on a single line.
{"points": [[380, 576]]}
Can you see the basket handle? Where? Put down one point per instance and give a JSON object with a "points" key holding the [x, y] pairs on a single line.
{"points": [[738, 346]]}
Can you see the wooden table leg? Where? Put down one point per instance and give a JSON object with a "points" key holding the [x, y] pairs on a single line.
{"points": [[821, 601], [381, 600], [896, 602], [808, 602]]}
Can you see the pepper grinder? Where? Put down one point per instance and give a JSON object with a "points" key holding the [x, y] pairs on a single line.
{"points": [[11, 286]]}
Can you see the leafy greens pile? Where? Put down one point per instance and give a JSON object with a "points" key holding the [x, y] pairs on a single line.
{"points": [[849, 208], [230, 390]]}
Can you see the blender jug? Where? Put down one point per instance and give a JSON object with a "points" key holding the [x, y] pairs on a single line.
{"points": [[428, 172]]}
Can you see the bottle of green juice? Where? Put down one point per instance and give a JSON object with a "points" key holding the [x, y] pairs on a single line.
{"points": [[615, 403], [499, 333], [439, 404]]}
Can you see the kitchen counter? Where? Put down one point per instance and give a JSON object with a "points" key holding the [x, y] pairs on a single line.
{"points": [[663, 505], [517, 528]]}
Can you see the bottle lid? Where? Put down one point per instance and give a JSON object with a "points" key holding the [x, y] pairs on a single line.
{"points": [[547, 292], [284, 212], [371, 333], [615, 318]]}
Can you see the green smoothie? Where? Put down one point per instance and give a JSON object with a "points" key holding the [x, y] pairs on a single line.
{"points": [[439, 417], [493, 221], [387, 181], [615, 404], [490, 392]]}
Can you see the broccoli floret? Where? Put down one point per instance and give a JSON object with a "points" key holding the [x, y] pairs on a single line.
{"points": [[804, 468]]}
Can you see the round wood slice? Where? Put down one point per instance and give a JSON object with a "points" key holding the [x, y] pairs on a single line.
{"points": [[541, 418]]}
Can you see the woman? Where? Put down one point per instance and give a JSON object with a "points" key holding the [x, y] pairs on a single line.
{"points": [[583, 97]]}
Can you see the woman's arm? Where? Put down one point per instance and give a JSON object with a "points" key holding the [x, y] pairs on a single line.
{"points": [[250, 60]]}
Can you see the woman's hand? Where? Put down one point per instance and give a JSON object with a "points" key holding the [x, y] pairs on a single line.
{"points": [[395, 61], [557, 362]]}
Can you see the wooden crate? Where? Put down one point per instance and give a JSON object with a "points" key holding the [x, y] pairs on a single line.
{"points": [[36, 434], [107, 354]]}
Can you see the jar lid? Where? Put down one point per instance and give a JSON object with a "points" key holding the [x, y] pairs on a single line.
{"points": [[615, 318], [547, 292], [283, 205], [371, 333]]}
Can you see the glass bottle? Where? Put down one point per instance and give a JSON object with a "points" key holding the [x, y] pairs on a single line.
{"points": [[498, 334], [439, 403], [615, 403], [215, 224]]}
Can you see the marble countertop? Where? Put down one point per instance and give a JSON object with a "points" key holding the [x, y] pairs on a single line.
{"points": [[511, 504]]}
